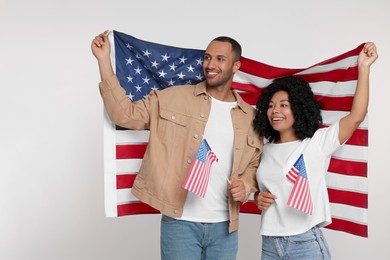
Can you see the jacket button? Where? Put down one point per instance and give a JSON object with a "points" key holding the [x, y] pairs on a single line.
{"points": [[196, 136], [206, 97], [175, 211], [188, 161], [201, 115], [173, 117]]}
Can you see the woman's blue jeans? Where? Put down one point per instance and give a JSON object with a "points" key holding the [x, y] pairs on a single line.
{"points": [[310, 245], [194, 241]]}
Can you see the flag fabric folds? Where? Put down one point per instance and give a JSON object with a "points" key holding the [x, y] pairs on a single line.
{"points": [[142, 66], [198, 176], [300, 197]]}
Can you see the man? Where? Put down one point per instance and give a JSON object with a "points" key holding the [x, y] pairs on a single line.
{"points": [[179, 118]]}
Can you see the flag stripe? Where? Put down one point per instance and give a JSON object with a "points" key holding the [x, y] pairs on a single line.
{"points": [[333, 82], [349, 198], [349, 227]]}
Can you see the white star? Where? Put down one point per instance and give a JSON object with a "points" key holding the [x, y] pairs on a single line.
{"points": [[181, 75], [146, 79], [199, 61], [162, 74], [129, 46], [165, 57], [130, 79], [129, 61], [189, 82], [155, 64], [138, 87], [173, 67], [138, 70], [171, 82], [199, 77], [147, 53], [138, 56], [154, 88], [182, 60], [190, 68], [130, 96]]}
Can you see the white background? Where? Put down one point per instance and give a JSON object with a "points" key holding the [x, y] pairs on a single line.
{"points": [[51, 141]]}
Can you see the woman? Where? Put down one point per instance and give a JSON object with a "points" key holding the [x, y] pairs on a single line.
{"points": [[298, 153]]}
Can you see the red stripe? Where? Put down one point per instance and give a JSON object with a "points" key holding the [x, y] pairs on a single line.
{"points": [[349, 227], [359, 137], [125, 181], [249, 207], [351, 198], [135, 208], [127, 151], [337, 75], [350, 168], [335, 103], [269, 72]]}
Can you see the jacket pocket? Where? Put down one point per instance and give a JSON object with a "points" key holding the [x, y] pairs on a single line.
{"points": [[172, 126]]}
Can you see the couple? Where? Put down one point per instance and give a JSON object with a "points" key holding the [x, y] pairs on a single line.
{"points": [[287, 115]]}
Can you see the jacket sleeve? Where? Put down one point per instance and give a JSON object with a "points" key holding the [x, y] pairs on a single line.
{"points": [[249, 178], [121, 110]]}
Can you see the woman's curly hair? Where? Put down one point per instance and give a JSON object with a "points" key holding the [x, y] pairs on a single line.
{"points": [[304, 106]]}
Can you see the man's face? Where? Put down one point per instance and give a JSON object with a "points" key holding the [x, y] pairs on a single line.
{"points": [[219, 64]]}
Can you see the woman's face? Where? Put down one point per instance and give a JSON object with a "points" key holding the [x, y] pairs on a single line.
{"points": [[279, 113]]}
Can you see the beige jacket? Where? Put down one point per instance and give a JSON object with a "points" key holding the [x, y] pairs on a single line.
{"points": [[176, 118]]}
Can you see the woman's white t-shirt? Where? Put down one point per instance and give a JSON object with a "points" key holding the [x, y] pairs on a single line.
{"points": [[277, 159]]}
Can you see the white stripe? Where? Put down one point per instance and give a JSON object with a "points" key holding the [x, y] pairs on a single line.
{"points": [[347, 183], [245, 78], [125, 196], [345, 212], [132, 136], [342, 64], [128, 165], [329, 117], [352, 153], [109, 168], [334, 89]]}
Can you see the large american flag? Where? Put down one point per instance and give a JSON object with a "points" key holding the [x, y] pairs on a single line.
{"points": [[142, 66], [300, 197]]}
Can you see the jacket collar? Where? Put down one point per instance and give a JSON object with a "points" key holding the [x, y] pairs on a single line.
{"points": [[200, 89]]}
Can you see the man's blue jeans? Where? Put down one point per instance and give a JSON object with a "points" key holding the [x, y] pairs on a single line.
{"points": [[310, 245], [193, 240]]}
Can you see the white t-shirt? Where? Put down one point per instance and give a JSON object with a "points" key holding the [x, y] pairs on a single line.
{"points": [[277, 159], [219, 134]]}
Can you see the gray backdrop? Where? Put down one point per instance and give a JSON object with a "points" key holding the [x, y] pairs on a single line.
{"points": [[51, 141]]}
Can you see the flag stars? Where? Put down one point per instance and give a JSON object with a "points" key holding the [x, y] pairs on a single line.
{"points": [[146, 80], [182, 60], [162, 74], [173, 67], [181, 75], [131, 96], [199, 61], [129, 61], [171, 82], [138, 57], [199, 77], [147, 53], [138, 70], [138, 88], [165, 57], [155, 64], [129, 46], [130, 79], [190, 68]]}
